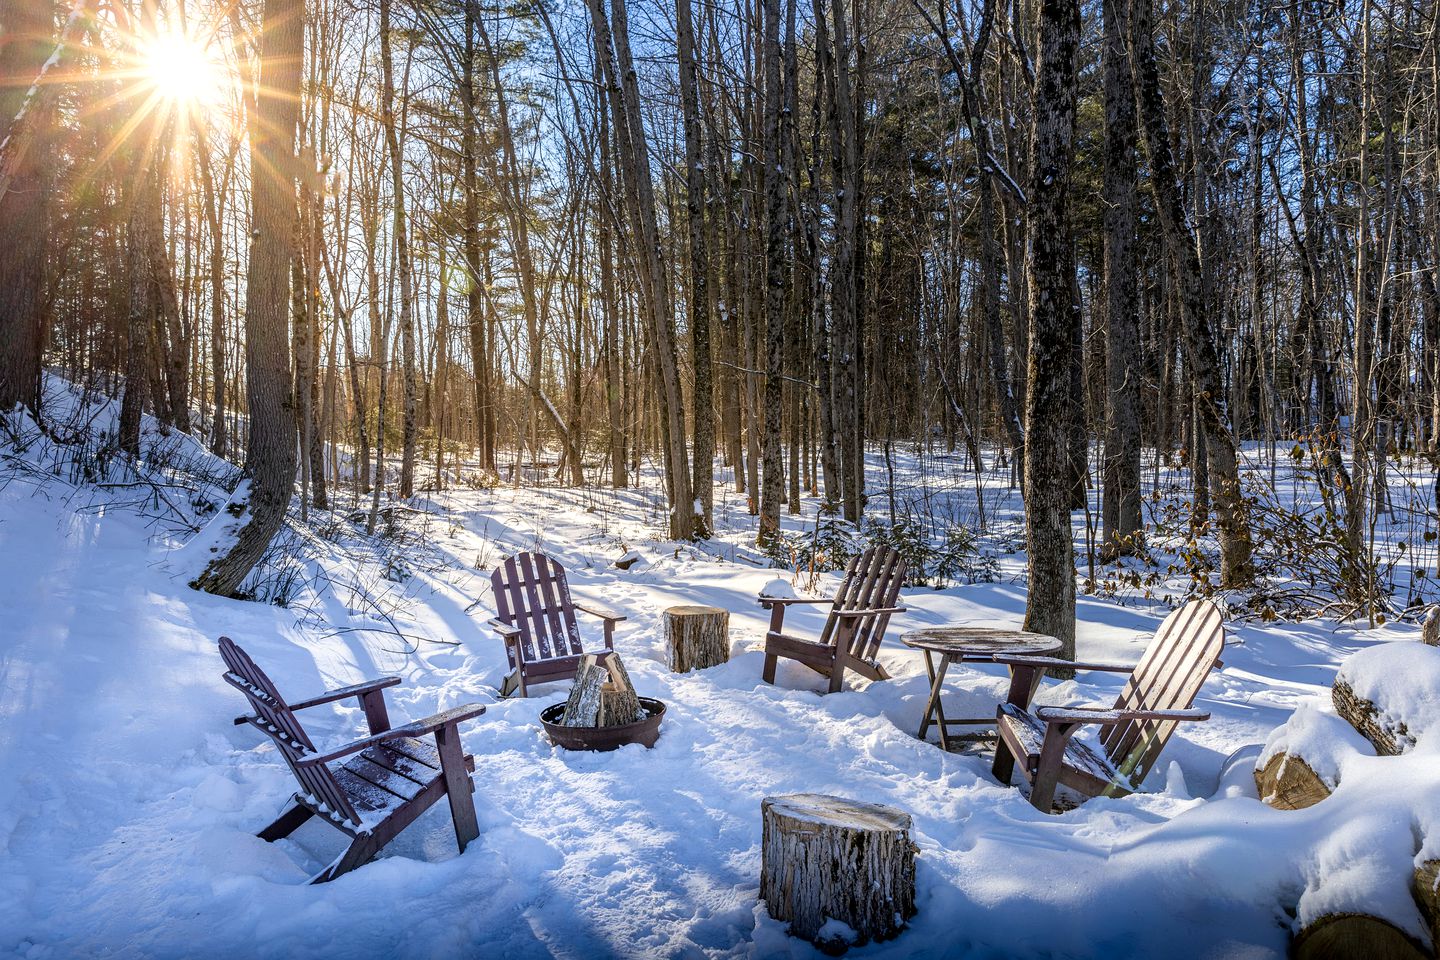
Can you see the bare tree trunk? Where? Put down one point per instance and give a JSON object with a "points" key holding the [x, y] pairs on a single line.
{"points": [[402, 254], [703, 473], [1120, 510], [772, 487], [271, 453], [1054, 317], [1203, 362]]}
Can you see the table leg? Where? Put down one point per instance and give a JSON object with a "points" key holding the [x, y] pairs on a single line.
{"points": [[930, 702], [932, 707]]}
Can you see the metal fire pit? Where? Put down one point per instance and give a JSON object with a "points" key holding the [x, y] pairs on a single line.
{"points": [[604, 738]]}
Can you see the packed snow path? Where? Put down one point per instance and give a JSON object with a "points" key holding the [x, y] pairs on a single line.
{"points": [[128, 800]]}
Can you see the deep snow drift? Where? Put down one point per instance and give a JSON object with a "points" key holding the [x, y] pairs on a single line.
{"points": [[128, 800]]}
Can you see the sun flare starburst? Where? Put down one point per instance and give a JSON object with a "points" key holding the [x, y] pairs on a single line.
{"points": [[182, 71]]}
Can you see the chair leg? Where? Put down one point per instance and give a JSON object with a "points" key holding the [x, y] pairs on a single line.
{"points": [[286, 823], [1004, 766], [768, 674], [837, 672], [362, 850], [1047, 772], [511, 683], [457, 785]]}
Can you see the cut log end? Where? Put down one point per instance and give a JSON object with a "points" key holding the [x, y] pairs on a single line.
{"points": [[1287, 782], [697, 637], [1344, 936], [841, 872]]}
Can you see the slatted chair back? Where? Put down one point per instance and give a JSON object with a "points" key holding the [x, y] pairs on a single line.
{"points": [[532, 594], [872, 581], [274, 717], [1168, 677]]}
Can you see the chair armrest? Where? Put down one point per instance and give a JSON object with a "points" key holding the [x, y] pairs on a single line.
{"points": [[870, 612], [595, 610], [1020, 660], [419, 728], [768, 602], [1108, 717], [507, 631], [340, 693]]}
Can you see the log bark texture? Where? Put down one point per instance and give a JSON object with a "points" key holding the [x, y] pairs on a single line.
{"points": [[1390, 735], [1427, 895], [1343, 936], [698, 637], [1286, 782], [827, 858]]}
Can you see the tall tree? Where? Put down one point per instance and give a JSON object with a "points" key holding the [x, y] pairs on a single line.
{"points": [[271, 450], [1120, 509], [1054, 319]]}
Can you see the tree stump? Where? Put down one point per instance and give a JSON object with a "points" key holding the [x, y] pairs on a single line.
{"points": [[1345, 936], [1430, 628], [698, 637], [602, 695], [842, 872]]}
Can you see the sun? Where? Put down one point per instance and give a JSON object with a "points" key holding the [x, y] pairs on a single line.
{"points": [[180, 70]]}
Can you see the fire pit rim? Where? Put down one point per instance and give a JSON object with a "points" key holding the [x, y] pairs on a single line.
{"points": [[645, 731]]}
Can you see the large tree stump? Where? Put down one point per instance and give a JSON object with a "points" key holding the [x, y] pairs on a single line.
{"points": [[1390, 693], [1303, 759], [698, 637], [602, 695], [842, 872]]}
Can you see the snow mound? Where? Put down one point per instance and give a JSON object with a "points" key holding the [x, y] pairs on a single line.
{"points": [[778, 589]]}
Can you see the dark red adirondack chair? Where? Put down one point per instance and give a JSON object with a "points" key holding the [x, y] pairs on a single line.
{"points": [[1157, 697], [859, 614], [536, 619], [390, 779]]}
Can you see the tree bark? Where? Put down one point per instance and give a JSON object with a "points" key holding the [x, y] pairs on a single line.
{"points": [[703, 472], [772, 486]]}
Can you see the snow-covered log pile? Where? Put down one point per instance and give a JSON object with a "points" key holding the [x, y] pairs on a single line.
{"points": [[1366, 894]]}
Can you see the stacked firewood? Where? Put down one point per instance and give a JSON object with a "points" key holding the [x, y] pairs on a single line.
{"points": [[1384, 699], [602, 695]]}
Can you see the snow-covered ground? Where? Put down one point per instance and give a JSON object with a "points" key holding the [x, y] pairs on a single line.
{"points": [[128, 799]]}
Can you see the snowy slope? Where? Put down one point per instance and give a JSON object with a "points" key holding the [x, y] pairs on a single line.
{"points": [[128, 799]]}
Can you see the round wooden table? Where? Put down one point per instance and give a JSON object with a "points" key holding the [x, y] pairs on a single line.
{"points": [[968, 645]]}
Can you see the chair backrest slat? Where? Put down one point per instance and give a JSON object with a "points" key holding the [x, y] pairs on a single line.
{"points": [[274, 717], [872, 581], [533, 595], [1168, 677]]}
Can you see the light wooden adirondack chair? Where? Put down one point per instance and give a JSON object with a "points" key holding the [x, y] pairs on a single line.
{"points": [[391, 778], [851, 637], [1159, 694], [536, 619]]}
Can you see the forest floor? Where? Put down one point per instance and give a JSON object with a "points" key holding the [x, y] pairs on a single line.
{"points": [[128, 799]]}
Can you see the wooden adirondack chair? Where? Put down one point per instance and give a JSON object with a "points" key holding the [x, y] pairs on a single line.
{"points": [[1159, 694], [536, 619], [391, 778], [851, 637]]}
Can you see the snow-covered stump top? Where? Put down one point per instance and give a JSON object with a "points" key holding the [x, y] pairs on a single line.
{"points": [[1390, 693], [842, 872]]}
